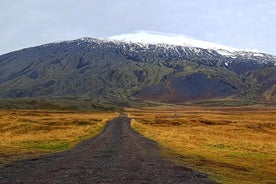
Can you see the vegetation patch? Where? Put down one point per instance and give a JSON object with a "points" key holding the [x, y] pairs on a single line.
{"points": [[47, 145]]}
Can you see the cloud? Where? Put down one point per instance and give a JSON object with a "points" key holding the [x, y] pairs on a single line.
{"points": [[238, 23]]}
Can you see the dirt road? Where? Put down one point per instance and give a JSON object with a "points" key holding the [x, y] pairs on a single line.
{"points": [[117, 155]]}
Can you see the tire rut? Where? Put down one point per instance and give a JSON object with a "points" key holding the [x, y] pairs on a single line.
{"points": [[117, 155]]}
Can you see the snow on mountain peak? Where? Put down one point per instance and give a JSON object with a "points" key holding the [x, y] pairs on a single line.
{"points": [[170, 39]]}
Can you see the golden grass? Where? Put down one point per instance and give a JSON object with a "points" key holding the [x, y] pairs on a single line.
{"points": [[29, 133], [233, 145]]}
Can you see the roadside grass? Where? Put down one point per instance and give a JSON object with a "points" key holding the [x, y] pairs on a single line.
{"points": [[232, 145], [31, 133]]}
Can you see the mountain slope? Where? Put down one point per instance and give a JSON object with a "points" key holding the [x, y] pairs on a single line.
{"points": [[121, 72]]}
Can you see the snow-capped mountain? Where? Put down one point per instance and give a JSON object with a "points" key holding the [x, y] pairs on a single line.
{"points": [[147, 37], [143, 66]]}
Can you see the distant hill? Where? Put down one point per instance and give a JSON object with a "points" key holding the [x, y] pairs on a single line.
{"points": [[107, 73]]}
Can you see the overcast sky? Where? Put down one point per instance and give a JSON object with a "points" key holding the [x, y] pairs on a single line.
{"points": [[247, 24]]}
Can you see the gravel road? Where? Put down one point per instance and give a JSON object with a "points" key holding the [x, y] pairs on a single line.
{"points": [[117, 155]]}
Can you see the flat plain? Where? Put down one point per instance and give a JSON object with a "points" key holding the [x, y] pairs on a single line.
{"points": [[31, 133], [117, 155], [231, 144]]}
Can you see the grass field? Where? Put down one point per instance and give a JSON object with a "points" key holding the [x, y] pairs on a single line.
{"points": [[31, 133], [233, 145]]}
